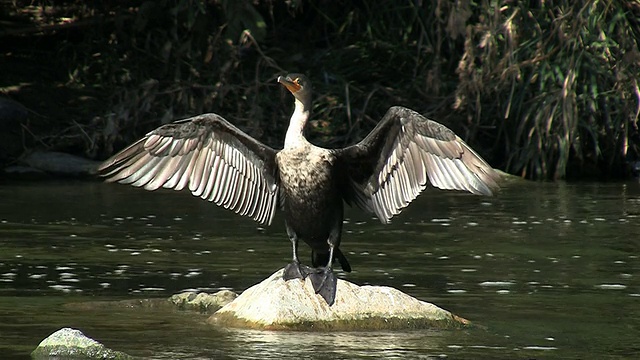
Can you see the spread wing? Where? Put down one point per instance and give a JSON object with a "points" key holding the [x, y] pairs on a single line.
{"points": [[395, 162], [209, 156]]}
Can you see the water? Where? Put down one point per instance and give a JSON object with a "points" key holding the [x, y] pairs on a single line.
{"points": [[547, 270]]}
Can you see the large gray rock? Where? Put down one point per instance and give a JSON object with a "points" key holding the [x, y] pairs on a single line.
{"points": [[68, 343], [12, 138], [278, 304], [60, 163]]}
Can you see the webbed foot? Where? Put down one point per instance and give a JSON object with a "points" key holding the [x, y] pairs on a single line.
{"points": [[295, 270], [324, 282]]}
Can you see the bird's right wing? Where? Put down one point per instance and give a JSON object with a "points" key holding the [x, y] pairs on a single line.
{"points": [[210, 156]]}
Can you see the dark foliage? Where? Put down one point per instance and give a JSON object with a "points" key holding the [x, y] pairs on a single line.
{"points": [[543, 90]]}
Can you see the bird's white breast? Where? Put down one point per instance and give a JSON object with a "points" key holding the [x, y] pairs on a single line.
{"points": [[305, 170]]}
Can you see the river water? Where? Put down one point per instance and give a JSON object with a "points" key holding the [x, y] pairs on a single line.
{"points": [[547, 270]]}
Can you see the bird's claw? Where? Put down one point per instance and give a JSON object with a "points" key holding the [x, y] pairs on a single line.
{"points": [[325, 283], [295, 270]]}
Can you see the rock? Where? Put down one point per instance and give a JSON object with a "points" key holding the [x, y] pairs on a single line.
{"points": [[12, 112], [276, 304], [13, 116], [22, 170], [203, 302], [160, 304], [60, 163], [68, 343]]}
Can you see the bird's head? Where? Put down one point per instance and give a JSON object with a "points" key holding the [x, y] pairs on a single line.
{"points": [[298, 85]]}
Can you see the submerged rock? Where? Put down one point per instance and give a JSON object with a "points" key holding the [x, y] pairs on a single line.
{"points": [[160, 304], [68, 343], [277, 304], [203, 302]]}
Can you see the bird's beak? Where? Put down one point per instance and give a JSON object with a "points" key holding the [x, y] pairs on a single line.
{"points": [[290, 85]]}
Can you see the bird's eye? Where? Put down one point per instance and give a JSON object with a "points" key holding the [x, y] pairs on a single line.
{"points": [[297, 81]]}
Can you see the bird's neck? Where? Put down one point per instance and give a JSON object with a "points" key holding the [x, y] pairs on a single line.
{"points": [[295, 132]]}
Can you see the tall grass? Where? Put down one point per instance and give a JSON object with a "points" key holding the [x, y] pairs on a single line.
{"points": [[558, 81]]}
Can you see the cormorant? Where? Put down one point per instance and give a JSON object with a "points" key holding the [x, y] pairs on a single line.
{"points": [[381, 174]]}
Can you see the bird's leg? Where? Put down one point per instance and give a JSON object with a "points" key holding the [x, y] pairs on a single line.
{"points": [[324, 281], [294, 270]]}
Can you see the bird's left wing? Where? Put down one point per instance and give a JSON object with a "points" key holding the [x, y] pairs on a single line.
{"points": [[209, 156], [391, 166]]}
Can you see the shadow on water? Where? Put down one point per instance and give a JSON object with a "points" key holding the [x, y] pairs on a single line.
{"points": [[546, 271]]}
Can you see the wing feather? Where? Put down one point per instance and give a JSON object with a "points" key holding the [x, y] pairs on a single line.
{"points": [[232, 183], [210, 180], [207, 171], [209, 156], [186, 172], [130, 170], [238, 194], [166, 169], [401, 156]]}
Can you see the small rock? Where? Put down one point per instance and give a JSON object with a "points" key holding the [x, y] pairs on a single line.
{"points": [[72, 343], [203, 302], [277, 304]]}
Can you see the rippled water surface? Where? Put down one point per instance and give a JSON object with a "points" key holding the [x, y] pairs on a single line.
{"points": [[548, 271]]}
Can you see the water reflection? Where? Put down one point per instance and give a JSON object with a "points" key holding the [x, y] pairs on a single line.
{"points": [[386, 345], [547, 270]]}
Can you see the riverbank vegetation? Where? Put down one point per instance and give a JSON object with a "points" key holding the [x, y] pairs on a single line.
{"points": [[543, 90]]}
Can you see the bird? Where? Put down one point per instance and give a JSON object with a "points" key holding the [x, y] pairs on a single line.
{"points": [[381, 174]]}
